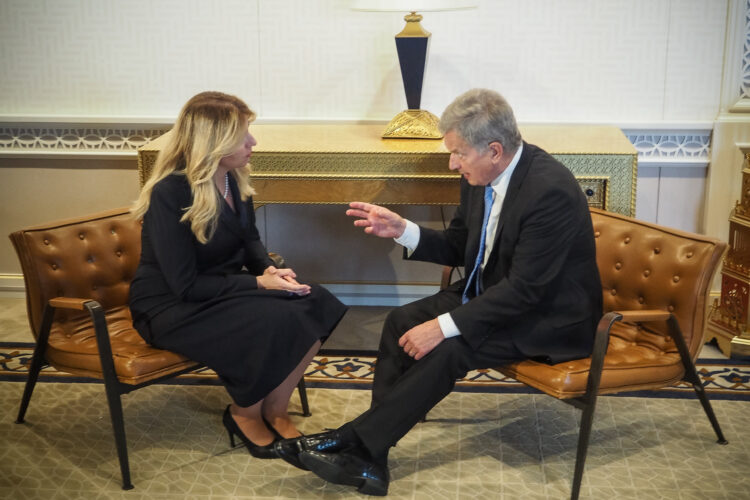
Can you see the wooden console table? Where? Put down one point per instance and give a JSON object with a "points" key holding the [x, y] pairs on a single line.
{"points": [[339, 163]]}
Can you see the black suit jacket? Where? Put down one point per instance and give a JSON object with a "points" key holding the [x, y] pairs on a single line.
{"points": [[541, 282], [175, 267]]}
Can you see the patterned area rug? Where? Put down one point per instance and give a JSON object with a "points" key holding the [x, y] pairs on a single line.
{"points": [[723, 379]]}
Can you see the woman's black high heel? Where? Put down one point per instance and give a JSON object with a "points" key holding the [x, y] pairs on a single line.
{"points": [[273, 430], [255, 450], [277, 433]]}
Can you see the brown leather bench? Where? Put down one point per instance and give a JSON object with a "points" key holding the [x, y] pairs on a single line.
{"points": [[655, 282], [77, 274]]}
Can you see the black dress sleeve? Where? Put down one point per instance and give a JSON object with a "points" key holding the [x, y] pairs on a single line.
{"points": [[174, 247]]}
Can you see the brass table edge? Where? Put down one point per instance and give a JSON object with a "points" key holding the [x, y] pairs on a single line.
{"points": [[346, 202], [633, 185], [350, 176]]}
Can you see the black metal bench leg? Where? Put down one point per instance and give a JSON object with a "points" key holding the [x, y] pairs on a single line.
{"points": [[112, 387], [36, 366], [37, 361], [118, 427], [302, 389], [701, 393], [588, 401], [692, 377], [587, 420]]}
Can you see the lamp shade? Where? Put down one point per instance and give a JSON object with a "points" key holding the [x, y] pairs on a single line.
{"points": [[412, 5]]}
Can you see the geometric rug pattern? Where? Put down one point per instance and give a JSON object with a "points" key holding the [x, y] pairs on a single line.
{"points": [[722, 379]]}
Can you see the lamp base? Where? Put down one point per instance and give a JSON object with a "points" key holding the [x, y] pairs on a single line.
{"points": [[413, 124]]}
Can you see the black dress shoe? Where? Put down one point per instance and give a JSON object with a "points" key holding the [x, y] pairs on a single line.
{"points": [[288, 450], [335, 440], [349, 468]]}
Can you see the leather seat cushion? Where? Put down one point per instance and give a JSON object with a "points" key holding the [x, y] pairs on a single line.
{"points": [[633, 362], [73, 349]]}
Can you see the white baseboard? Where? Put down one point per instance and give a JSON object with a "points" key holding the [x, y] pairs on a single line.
{"points": [[380, 295], [11, 286]]}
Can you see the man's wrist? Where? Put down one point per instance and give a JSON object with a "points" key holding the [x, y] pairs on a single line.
{"points": [[403, 228], [448, 326], [410, 236]]}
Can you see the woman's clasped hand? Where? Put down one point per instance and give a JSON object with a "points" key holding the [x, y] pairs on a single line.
{"points": [[282, 279]]}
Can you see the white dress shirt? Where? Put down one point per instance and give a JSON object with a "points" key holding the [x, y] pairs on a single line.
{"points": [[410, 237]]}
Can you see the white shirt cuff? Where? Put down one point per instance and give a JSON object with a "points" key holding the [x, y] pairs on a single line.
{"points": [[410, 238], [447, 325]]}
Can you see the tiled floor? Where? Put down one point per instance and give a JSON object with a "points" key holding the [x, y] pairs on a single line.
{"points": [[473, 445]]}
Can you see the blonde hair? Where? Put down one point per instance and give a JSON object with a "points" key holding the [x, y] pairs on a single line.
{"points": [[209, 127]]}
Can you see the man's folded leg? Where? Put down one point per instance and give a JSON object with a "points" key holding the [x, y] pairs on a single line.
{"points": [[357, 453], [392, 361]]}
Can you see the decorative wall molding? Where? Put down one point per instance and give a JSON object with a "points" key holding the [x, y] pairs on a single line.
{"points": [[671, 148], [656, 146], [736, 85], [45, 139]]}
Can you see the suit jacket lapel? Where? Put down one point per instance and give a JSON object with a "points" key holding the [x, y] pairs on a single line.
{"points": [[516, 180]]}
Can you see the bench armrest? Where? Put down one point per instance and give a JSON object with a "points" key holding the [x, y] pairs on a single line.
{"points": [[640, 315], [69, 303]]}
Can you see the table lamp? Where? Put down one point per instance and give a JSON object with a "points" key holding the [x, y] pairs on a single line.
{"points": [[412, 44]]}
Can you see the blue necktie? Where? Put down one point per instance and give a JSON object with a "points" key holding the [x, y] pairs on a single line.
{"points": [[473, 277]]}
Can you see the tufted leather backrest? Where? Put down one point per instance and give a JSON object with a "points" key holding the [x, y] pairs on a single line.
{"points": [[645, 266], [92, 257]]}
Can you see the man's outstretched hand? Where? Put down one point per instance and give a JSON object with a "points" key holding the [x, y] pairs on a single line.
{"points": [[377, 220]]}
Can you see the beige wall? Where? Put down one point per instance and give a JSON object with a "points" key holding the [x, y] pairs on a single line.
{"points": [[35, 190]]}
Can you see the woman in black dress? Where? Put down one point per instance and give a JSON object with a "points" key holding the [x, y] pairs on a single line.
{"points": [[205, 286]]}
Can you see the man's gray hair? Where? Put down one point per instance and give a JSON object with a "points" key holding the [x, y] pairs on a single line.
{"points": [[482, 116]]}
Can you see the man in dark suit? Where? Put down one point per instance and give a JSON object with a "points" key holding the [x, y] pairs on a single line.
{"points": [[531, 288]]}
